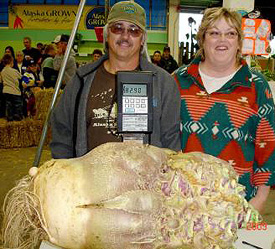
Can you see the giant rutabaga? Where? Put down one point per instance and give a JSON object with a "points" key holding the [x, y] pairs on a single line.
{"points": [[128, 195]]}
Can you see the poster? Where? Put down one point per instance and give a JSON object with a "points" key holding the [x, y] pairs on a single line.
{"points": [[243, 7], [54, 17], [256, 36]]}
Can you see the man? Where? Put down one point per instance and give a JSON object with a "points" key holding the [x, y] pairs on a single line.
{"points": [[167, 62], [40, 47], [61, 42], [97, 53], [85, 116], [30, 53]]}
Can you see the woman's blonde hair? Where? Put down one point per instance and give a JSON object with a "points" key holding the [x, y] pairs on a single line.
{"points": [[210, 16], [19, 52]]}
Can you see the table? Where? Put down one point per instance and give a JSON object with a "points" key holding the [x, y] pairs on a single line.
{"points": [[261, 238]]}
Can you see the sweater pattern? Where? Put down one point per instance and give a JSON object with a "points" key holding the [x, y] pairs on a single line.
{"points": [[235, 123]]}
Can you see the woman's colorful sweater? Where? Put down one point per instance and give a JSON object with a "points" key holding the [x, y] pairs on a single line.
{"points": [[235, 123]]}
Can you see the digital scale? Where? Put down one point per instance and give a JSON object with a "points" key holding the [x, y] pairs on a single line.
{"points": [[135, 105]]}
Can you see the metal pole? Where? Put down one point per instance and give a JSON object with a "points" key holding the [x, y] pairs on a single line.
{"points": [[107, 5], [58, 83]]}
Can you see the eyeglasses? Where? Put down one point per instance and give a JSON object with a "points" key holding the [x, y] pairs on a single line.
{"points": [[216, 34], [119, 29]]}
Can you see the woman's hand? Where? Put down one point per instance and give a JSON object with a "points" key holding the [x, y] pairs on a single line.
{"points": [[258, 202]]}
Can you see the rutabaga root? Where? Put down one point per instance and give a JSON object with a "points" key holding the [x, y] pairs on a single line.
{"points": [[23, 224]]}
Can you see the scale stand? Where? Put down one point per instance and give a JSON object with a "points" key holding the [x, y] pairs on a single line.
{"points": [[135, 137]]}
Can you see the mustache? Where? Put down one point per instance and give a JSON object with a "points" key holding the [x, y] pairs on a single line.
{"points": [[119, 42]]}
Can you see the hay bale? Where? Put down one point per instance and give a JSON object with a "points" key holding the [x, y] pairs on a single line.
{"points": [[4, 134], [43, 99], [35, 131], [27, 133], [18, 134]]}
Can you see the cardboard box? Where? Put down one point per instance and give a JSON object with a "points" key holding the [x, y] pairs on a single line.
{"points": [[263, 63]]}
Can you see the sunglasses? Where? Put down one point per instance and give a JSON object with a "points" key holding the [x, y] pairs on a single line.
{"points": [[119, 29]]}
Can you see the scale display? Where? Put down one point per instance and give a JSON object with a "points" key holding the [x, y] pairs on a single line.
{"points": [[134, 98], [134, 90]]}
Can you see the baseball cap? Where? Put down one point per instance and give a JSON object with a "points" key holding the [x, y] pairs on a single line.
{"points": [[128, 11], [31, 63], [61, 38]]}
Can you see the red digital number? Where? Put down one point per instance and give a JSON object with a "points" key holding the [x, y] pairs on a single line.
{"points": [[256, 226]]}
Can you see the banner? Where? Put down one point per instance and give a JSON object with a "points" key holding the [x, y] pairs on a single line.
{"points": [[256, 36], [54, 17]]}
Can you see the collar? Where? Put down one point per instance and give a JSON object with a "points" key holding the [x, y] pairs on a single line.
{"points": [[243, 77]]}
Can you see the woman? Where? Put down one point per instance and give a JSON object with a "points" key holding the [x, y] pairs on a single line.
{"points": [[9, 50], [11, 78], [21, 65], [227, 109], [156, 58]]}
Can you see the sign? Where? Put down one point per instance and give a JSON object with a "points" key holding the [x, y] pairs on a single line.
{"points": [[256, 36], [240, 6], [55, 17], [95, 18]]}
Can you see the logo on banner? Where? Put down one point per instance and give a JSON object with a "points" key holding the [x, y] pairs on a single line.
{"points": [[95, 18]]}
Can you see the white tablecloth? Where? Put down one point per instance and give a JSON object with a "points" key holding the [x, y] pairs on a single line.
{"points": [[259, 238], [262, 239]]}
